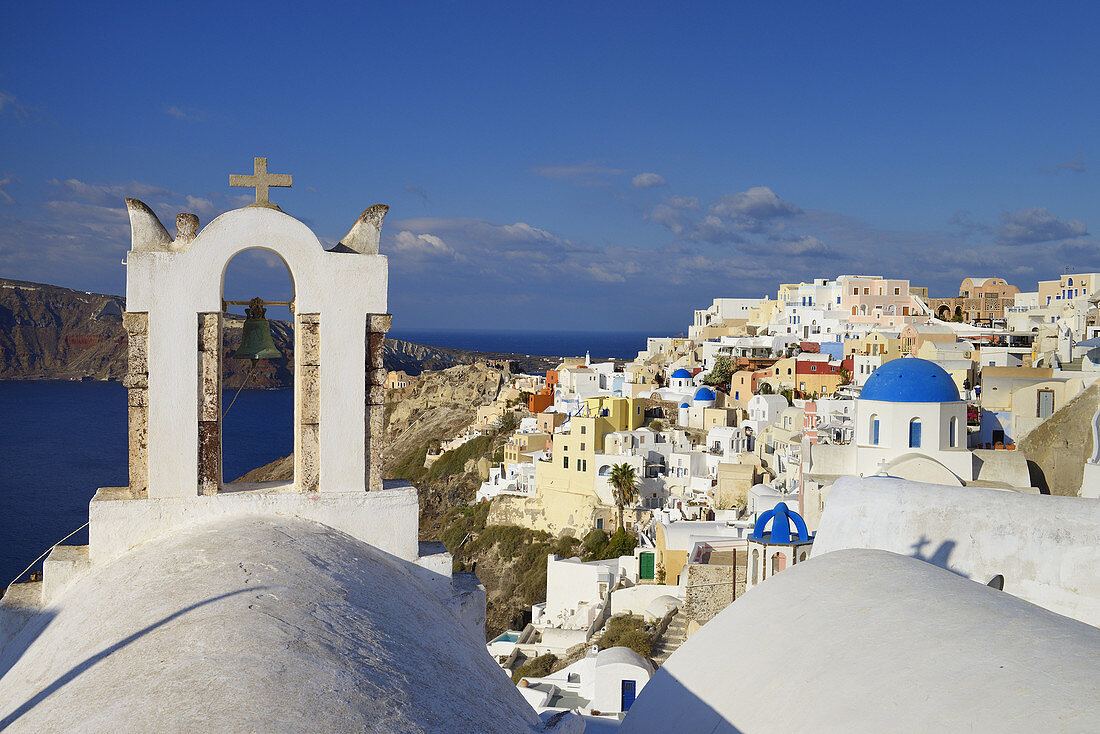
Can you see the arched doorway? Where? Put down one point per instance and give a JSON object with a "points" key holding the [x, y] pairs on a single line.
{"points": [[257, 395]]}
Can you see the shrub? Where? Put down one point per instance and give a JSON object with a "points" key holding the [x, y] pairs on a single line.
{"points": [[638, 641], [621, 543], [657, 425], [595, 541], [535, 667], [411, 465], [566, 547], [627, 631], [454, 462]]}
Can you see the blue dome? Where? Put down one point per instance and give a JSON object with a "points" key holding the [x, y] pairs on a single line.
{"points": [[704, 393], [684, 405], [681, 374], [781, 518], [910, 380]]}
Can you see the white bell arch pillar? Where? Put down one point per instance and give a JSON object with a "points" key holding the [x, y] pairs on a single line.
{"points": [[174, 304]]}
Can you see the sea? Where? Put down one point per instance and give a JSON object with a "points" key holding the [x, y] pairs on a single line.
{"points": [[601, 345], [60, 440]]}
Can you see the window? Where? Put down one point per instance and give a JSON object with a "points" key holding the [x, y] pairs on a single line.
{"points": [[582, 447], [736, 394], [914, 433], [565, 462], [952, 431], [866, 291], [874, 430], [584, 429], [897, 291]]}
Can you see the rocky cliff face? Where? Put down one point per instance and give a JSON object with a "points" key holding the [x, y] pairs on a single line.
{"points": [[53, 333]]}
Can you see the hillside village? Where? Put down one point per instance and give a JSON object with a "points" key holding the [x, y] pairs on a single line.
{"points": [[752, 416], [850, 467]]}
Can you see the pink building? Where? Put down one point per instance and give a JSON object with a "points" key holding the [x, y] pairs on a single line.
{"points": [[871, 299]]}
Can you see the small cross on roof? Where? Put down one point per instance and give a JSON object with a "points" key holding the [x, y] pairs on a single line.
{"points": [[261, 180]]}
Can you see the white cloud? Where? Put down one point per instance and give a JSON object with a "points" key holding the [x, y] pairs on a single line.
{"points": [[12, 106], [8, 180], [647, 180], [183, 113], [682, 202], [1035, 225], [757, 203], [668, 216], [420, 245]]}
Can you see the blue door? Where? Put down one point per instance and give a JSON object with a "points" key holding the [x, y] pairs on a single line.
{"points": [[628, 694], [914, 434]]}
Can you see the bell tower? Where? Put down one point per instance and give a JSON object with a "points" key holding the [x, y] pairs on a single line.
{"points": [[174, 323]]}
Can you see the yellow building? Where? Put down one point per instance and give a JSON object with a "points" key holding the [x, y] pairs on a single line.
{"points": [[625, 414], [521, 447], [779, 375], [886, 344]]}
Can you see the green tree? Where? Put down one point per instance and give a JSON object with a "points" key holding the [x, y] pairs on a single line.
{"points": [[721, 372], [845, 376], [624, 486], [765, 389]]}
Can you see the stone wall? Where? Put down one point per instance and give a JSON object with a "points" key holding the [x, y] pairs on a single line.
{"points": [[709, 589], [377, 326], [1059, 447], [137, 399], [210, 403], [307, 449]]}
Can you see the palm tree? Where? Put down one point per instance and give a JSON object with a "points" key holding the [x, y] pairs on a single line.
{"points": [[625, 487]]}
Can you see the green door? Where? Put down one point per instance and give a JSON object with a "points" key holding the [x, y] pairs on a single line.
{"points": [[645, 566]]}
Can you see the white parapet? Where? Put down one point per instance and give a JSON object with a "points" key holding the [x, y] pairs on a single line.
{"points": [[387, 520]]}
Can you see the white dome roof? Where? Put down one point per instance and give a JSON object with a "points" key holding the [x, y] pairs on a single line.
{"points": [[872, 641], [249, 625]]}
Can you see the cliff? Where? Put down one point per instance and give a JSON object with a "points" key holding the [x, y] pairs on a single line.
{"points": [[53, 333]]}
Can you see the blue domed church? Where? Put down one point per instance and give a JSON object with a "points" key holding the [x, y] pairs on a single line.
{"points": [[911, 423]]}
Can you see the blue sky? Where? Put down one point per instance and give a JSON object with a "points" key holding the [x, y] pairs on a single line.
{"points": [[602, 166]]}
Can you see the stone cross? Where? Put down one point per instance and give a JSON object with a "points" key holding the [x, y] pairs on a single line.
{"points": [[261, 180]]}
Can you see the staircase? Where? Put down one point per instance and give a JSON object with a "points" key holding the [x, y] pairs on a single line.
{"points": [[673, 637], [22, 601]]}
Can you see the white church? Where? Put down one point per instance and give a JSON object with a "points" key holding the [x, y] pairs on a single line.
{"points": [[311, 606], [206, 606]]}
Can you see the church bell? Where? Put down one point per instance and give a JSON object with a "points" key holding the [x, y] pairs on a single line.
{"points": [[256, 341]]}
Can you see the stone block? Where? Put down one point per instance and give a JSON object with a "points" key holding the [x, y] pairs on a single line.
{"points": [[308, 458], [309, 391], [210, 332], [210, 386], [309, 341], [136, 381], [309, 318], [373, 447], [138, 425], [135, 323], [379, 322], [376, 350], [376, 394], [138, 356], [376, 377], [137, 398], [210, 457]]}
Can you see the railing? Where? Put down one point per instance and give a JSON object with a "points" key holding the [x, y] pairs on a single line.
{"points": [[45, 553]]}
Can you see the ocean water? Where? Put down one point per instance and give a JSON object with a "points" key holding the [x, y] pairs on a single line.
{"points": [[602, 345], [60, 441]]}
